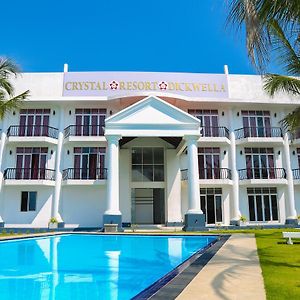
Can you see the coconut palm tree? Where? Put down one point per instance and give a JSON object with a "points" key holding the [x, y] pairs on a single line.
{"points": [[272, 29], [8, 99]]}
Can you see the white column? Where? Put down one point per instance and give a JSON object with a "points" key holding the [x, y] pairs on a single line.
{"points": [[58, 171], [2, 146], [112, 192], [234, 203], [193, 175], [291, 213]]}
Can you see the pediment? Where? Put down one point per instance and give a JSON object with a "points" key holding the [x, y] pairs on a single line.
{"points": [[152, 110], [151, 114]]}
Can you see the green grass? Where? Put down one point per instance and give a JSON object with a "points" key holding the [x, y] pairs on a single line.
{"points": [[280, 264]]}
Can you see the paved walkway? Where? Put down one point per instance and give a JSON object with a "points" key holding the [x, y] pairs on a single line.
{"points": [[233, 273]]}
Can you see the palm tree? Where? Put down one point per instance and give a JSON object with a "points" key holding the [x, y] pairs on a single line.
{"points": [[8, 99], [272, 30]]}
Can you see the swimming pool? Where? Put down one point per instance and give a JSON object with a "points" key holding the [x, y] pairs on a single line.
{"points": [[87, 266]]}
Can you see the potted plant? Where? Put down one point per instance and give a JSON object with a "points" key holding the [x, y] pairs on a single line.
{"points": [[243, 220], [53, 223]]}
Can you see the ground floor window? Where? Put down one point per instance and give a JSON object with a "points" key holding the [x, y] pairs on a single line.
{"points": [[262, 204], [28, 201], [211, 204]]}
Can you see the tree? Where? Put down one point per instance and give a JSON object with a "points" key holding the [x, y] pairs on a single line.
{"points": [[8, 99], [272, 30]]}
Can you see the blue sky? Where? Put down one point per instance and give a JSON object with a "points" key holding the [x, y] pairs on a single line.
{"points": [[122, 35]]}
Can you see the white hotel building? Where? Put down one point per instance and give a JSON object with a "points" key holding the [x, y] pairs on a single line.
{"points": [[91, 148]]}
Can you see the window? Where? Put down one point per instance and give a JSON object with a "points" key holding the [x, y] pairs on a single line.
{"points": [[34, 122], [28, 201], [211, 204], [89, 162], [209, 163], [147, 164], [209, 121], [256, 123], [262, 204], [260, 163], [90, 122], [31, 162]]}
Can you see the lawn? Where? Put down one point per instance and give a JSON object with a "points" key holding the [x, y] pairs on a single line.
{"points": [[280, 264]]}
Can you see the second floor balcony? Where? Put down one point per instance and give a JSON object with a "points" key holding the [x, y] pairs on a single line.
{"points": [[258, 132], [212, 131], [84, 130], [16, 175], [31, 132], [209, 174], [262, 173], [84, 174], [296, 174]]}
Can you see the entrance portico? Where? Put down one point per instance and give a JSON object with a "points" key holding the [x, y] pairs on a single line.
{"points": [[153, 117]]}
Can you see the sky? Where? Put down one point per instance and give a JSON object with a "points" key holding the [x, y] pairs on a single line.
{"points": [[122, 35]]}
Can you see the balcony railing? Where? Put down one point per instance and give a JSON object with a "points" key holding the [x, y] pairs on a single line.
{"points": [[296, 173], [85, 173], [209, 131], [84, 130], [29, 174], [209, 173], [32, 130], [262, 173], [247, 132]]}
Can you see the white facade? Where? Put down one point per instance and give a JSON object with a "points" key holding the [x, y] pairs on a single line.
{"points": [[163, 154]]}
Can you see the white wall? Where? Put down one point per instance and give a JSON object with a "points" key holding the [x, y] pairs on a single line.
{"points": [[12, 206], [83, 206]]}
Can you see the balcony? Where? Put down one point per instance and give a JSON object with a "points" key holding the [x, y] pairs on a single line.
{"points": [[84, 176], [259, 135], [20, 176], [263, 175], [214, 135], [211, 176], [84, 133], [296, 175], [32, 133]]}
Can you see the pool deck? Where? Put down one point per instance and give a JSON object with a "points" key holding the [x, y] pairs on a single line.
{"points": [[233, 273]]}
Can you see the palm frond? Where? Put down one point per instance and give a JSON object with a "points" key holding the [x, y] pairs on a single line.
{"points": [[6, 86], [12, 103], [291, 122], [8, 67], [285, 52], [274, 83]]}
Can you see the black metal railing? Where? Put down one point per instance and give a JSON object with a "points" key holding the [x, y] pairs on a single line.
{"points": [[29, 174], [262, 173], [32, 130], [85, 173], [211, 131], [84, 130], [209, 173], [296, 173], [247, 132]]}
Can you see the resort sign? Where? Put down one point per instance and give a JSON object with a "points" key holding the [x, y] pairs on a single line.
{"points": [[134, 83]]}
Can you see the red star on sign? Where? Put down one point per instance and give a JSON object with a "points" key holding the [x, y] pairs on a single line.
{"points": [[163, 85], [114, 85]]}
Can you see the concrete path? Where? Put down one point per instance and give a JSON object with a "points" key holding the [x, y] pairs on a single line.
{"points": [[233, 273]]}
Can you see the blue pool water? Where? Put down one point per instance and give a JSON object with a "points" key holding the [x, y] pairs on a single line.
{"points": [[77, 266]]}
